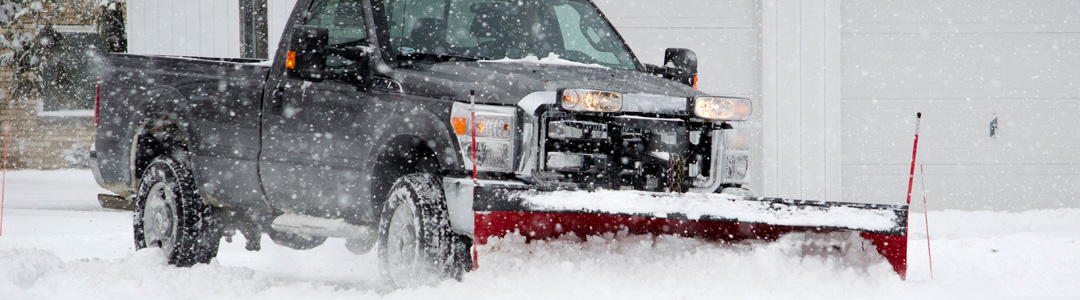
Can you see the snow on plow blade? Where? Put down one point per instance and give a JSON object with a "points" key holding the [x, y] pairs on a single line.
{"points": [[544, 214]]}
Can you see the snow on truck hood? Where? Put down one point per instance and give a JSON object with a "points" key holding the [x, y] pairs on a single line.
{"points": [[508, 81], [551, 59], [718, 206]]}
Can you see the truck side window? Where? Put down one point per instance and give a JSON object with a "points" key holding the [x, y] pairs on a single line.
{"points": [[419, 26], [345, 21]]}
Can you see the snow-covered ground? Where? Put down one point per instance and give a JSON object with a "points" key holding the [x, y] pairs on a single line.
{"points": [[57, 244]]}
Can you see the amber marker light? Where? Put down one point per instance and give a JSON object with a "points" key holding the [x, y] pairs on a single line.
{"points": [[290, 60], [460, 124]]}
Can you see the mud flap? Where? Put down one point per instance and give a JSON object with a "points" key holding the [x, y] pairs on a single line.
{"points": [[115, 202]]}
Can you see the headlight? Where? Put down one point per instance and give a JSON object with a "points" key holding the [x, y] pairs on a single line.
{"points": [[486, 125], [735, 156], [591, 101], [722, 109], [494, 129], [735, 167]]}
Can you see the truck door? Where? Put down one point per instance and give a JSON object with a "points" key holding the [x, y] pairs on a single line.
{"points": [[313, 131]]}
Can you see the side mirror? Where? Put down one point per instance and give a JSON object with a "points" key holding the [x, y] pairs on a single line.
{"points": [[306, 58], [361, 70], [680, 65]]}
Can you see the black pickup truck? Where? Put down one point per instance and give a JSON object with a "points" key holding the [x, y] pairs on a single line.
{"points": [[376, 119]]}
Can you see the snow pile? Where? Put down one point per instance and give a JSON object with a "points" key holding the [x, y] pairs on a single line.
{"points": [[667, 267], [61, 189], [62, 253], [696, 206], [37, 274]]}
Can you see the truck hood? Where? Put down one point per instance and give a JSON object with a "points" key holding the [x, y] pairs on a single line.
{"points": [[507, 82]]}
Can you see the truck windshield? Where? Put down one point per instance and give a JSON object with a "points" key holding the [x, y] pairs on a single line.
{"points": [[485, 29]]}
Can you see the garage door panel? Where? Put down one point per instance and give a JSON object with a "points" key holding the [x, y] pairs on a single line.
{"points": [[967, 187], [961, 66], [1042, 134], [885, 133], [984, 13], [957, 131]]}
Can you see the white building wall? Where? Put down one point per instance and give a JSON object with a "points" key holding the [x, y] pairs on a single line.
{"points": [[191, 28], [278, 11], [801, 99]]}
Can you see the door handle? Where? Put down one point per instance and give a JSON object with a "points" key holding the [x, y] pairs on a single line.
{"points": [[276, 95], [278, 91]]}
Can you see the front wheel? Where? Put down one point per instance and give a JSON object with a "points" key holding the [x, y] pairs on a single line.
{"points": [[416, 245], [169, 214]]}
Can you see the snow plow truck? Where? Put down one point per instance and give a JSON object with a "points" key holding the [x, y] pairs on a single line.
{"points": [[424, 128]]}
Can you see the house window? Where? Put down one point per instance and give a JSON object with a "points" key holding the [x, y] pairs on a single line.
{"points": [[70, 69]]}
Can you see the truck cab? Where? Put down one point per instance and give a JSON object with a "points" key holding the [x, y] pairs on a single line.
{"points": [[392, 122]]}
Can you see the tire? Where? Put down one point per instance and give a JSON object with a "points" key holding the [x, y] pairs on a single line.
{"points": [[169, 214], [416, 245], [296, 241]]}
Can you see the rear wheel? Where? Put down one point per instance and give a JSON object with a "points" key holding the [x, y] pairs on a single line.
{"points": [[169, 214], [416, 245]]}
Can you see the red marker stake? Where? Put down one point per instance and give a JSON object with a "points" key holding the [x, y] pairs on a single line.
{"points": [[472, 125], [926, 217], [911, 176], [3, 181], [914, 151]]}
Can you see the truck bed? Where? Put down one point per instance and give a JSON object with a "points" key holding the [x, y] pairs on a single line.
{"points": [[215, 102]]}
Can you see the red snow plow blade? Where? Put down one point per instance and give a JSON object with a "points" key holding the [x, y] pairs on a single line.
{"points": [[540, 215]]}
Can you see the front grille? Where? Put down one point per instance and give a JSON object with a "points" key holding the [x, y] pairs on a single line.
{"points": [[625, 152]]}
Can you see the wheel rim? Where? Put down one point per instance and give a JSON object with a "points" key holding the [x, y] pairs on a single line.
{"points": [[159, 217], [402, 245]]}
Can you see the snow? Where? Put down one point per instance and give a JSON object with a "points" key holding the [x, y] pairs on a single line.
{"points": [[67, 113], [720, 206], [54, 190], [551, 59], [57, 244]]}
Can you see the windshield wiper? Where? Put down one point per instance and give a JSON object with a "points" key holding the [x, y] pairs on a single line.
{"points": [[441, 56]]}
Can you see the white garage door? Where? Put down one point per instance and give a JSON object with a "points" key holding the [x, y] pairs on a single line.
{"points": [[963, 64]]}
